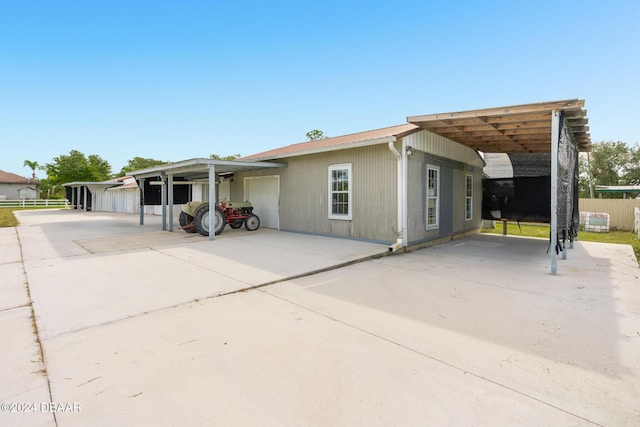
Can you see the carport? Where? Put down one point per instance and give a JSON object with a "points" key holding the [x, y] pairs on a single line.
{"points": [[558, 127], [189, 172], [81, 189]]}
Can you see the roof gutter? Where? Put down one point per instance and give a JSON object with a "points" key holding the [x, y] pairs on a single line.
{"points": [[401, 195]]}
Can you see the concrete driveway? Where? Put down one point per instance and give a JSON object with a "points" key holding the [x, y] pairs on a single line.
{"points": [[143, 327]]}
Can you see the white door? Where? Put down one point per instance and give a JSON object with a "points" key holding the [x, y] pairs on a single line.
{"points": [[264, 194], [224, 191]]}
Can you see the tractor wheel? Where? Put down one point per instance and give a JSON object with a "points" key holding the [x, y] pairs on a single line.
{"points": [[236, 223], [185, 219], [252, 222], [202, 220]]}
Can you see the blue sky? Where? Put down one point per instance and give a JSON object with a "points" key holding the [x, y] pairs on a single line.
{"points": [[174, 80]]}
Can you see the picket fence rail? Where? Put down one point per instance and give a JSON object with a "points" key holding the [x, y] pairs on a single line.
{"points": [[27, 203]]}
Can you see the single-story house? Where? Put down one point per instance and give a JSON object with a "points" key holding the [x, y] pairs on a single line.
{"points": [[397, 185], [16, 187], [415, 183]]}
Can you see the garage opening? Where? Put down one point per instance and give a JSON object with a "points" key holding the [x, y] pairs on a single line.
{"points": [[264, 194]]}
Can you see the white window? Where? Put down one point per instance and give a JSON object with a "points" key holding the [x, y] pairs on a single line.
{"points": [[433, 196], [340, 199], [469, 198]]}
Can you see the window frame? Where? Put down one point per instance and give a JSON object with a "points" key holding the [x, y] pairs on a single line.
{"points": [[468, 199], [349, 192], [436, 224]]}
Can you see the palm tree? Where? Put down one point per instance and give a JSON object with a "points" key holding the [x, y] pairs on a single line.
{"points": [[33, 166]]}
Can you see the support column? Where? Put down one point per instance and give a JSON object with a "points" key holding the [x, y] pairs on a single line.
{"points": [[141, 201], [555, 136], [73, 197], [163, 200], [170, 197], [86, 190], [212, 201]]}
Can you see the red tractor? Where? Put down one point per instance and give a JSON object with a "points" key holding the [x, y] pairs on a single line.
{"points": [[195, 217]]}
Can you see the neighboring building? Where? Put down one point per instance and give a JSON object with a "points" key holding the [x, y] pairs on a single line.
{"points": [[632, 190], [16, 187], [120, 194], [27, 193]]}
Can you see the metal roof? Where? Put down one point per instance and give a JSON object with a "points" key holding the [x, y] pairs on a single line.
{"points": [[520, 128], [98, 183], [617, 188], [360, 139], [199, 168]]}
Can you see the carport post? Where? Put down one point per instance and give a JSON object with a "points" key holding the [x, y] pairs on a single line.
{"points": [[170, 196], [86, 189], [141, 201], [163, 200], [212, 201], [555, 135], [73, 196]]}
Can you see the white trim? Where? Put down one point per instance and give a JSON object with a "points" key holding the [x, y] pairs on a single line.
{"points": [[436, 198], [468, 199], [349, 191]]}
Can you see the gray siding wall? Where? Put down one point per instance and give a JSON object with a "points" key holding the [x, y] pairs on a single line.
{"points": [[304, 190], [10, 191], [440, 146], [455, 162], [452, 198], [304, 193]]}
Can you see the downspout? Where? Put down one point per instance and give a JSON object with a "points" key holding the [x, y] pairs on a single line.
{"points": [[400, 243]]}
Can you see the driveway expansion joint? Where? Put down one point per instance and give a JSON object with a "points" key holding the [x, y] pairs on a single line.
{"points": [[34, 324]]}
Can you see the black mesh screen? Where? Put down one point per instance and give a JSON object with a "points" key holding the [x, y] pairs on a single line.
{"points": [[527, 196], [153, 193], [520, 199]]}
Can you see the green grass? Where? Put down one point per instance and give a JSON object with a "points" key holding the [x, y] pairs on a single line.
{"points": [[8, 219], [542, 230]]}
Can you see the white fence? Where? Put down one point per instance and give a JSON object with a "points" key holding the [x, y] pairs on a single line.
{"points": [[27, 203], [636, 221]]}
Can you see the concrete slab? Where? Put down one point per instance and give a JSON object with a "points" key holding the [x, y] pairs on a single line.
{"points": [[569, 341], [99, 274], [13, 286], [9, 246], [250, 358], [475, 331], [23, 381]]}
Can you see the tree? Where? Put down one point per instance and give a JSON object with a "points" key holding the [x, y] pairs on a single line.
{"points": [[612, 163], [632, 171], [75, 166], [229, 157], [138, 163], [33, 166], [314, 135]]}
